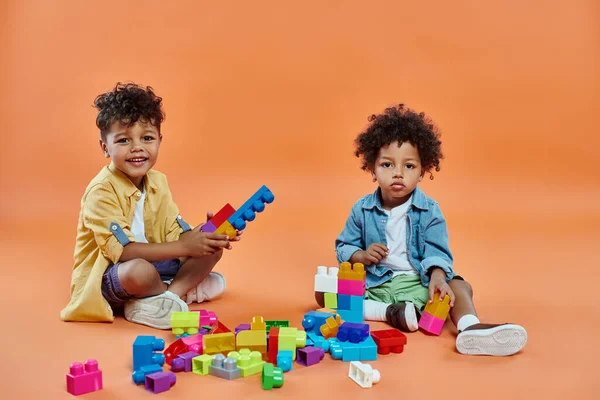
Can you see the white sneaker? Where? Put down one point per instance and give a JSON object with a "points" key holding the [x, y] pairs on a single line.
{"points": [[154, 311], [491, 339], [212, 286]]}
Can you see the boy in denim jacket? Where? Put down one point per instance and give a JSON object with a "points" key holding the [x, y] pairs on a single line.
{"points": [[133, 251], [400, 235]]}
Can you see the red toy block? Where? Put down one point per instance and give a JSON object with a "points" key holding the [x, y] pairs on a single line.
{"points": [[223, 215], [183, 345], [80, 381], [389, 340], [273, 346], [219, 328]]}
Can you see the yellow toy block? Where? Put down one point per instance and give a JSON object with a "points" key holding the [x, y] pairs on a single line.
{"points": [[438, 309], [218, 343], [226, 229], [331, 300], [355, 272], [330, 327], [254, 340], [327, 310], [250, 363], [291, 339], [201, 363], [185, 322], [258, 323]]}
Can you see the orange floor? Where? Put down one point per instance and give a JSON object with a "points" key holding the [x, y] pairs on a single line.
{"points": [[519, 275], [274, 93]]}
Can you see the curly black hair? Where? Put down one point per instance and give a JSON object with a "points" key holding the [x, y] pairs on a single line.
{"points": [[128, 103], [402, 125]]}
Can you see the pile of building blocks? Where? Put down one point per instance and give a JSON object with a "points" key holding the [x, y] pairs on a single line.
{"points": [[343, 290], [228, 221], [435, 314]]}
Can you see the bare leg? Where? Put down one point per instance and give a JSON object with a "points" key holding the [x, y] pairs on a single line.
{"points": [[463, 302], [140, 279], [192, 272]]}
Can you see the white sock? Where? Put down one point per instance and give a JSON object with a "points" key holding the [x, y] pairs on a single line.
{"points": [[375, 310], [466, 321]]}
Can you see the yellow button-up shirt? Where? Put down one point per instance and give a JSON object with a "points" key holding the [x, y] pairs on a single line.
{"points": [[107, 210]]}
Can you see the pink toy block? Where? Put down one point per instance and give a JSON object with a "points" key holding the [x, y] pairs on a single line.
{"points": [[309, 356], [159, 382], [207, 318], [351, 287], [431, 324], [80, 381]]}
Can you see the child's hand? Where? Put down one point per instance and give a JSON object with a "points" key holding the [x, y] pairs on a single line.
{"points": [[375, 253], [209, 215], [198, 244], [438, 283]]}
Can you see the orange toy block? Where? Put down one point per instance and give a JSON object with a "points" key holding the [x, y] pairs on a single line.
{"points": [[255, 340], [355, 272], [330, 327], [326, 310], [439, 309], [258, 324], [218, 343], [226, 229]]}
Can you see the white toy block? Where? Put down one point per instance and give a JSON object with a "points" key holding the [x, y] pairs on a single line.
{"points": [[326, 279], [363, 374]]}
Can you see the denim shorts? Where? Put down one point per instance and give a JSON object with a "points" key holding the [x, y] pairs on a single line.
{"points": [[114, 293]]}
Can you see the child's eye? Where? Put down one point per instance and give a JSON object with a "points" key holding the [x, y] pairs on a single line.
{"points": [[148, 138], [386, 164], [410, 166], [122, 140]]}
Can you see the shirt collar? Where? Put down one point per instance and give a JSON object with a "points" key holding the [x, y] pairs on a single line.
{"points": [[129, 188]]}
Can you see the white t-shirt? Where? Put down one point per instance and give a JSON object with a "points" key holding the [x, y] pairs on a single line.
{"points": [[137, 227], [395, 234]]}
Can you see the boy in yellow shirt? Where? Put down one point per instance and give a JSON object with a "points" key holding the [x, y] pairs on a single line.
{"points": [[133, 250]]}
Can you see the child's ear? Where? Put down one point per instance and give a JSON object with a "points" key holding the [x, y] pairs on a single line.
{"points": [[103, 148], [421, 177]]}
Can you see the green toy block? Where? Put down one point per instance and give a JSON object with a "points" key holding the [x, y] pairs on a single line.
{"points": [[331, 300]]}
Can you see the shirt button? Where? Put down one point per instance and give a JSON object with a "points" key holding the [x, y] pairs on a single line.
{"points": [[114, 227], [138, 194]]}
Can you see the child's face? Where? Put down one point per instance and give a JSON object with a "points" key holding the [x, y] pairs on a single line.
{"points": [[134, 149], [398, 171]]}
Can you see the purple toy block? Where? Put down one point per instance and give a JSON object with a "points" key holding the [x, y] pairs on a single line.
{"points": [[353, 288], [308, 356], [80, 381], [187, 360], [160, 381], [351, 332], [208, 227], [139, 376], [431, 324], [242, 327]]}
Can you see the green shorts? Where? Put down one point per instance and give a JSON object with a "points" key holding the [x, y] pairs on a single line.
{"points": [[401, 288]]}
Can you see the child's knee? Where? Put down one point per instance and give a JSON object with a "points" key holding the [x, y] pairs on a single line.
{"points": [[136, 275], [461, 286]]}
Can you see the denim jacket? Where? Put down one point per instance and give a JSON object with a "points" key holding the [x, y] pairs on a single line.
{"points": [[427, 236]]}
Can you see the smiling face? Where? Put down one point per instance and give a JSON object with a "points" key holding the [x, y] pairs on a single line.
{"points": [[133, 149], [398, 171]]}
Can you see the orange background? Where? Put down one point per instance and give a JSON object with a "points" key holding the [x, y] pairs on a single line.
{"points": [[274, 93]]}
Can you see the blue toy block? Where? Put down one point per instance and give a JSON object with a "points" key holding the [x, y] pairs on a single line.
{"points": [[144, 348], [363, 351], [343, 302], [356, 312], [313, 320], [139, 376], [247, 212], [351, 332], [284, 360], [309, 341], [335, 348]]}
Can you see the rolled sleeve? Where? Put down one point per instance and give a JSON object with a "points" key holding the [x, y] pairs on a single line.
{"points": [[350, 239], [103, 215], [437, 251]]}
